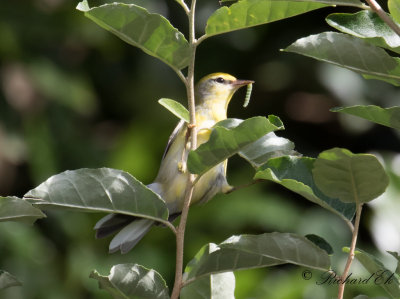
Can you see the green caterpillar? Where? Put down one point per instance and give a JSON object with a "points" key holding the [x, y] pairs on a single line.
{"points": [[248, 94]]}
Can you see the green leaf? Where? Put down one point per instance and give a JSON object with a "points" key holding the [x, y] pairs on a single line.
{"points": [[17, 209], [150, 32], [249, 13], [176, 108], [99, 190], [382, 276], [132, 281], [394, 9], [7, 280], [295, 174], [255, 251], [368, 26], [267, 147], [220, 285], [389, 117], [350, 52], [321, 243], [397, 257], [227, 138], [357, 178]]}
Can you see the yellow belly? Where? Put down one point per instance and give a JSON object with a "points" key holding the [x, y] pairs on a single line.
{"points": [[173, 180]]}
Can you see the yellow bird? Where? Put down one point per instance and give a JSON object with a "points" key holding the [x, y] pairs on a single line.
{"points": [[212, 95]]}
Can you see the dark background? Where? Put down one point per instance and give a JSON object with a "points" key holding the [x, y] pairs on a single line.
{"points": [[73, 95]]}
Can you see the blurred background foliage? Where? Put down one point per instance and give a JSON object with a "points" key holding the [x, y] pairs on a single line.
{"points": [[72, 96]]}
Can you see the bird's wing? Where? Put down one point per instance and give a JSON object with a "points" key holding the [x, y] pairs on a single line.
{"points": [[172, 137]]}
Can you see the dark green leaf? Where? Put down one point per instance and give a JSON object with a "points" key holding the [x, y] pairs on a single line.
{"points": [[368, 26], [255, 251], [227, 138], [295, 174], [132, 281], [351, 53], [382, 276], [357, 178], [384, 116], [17, 209], [99, 190], [321, 243], [176, 108], [150, 32], [7, 280], [249, 13]]}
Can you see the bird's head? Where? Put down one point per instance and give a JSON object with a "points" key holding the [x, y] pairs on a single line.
{"points": [[218, 88]]}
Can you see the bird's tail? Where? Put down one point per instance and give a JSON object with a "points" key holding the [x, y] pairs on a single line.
{"points": [[133, 230]]}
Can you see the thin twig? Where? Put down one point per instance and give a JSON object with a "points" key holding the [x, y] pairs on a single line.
{"points": [[384, 16], [184, 6], [201, 38], [351, 253], [170, 226], [181, 76], [180, 236]]}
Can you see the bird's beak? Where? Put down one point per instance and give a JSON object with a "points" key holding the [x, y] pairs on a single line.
{"points": [[240, 83]]}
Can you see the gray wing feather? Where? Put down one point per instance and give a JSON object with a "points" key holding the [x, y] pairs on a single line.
{"points": [[172, 137]]}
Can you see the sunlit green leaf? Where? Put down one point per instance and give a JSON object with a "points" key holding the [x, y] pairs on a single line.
{"points": [[249, 13], [368, 26], [382, 276], [295, 174], [255, 251], [350, 177], [219, 285], [17, 209], [394, 9], [132, 281], [150, 32], [176, 108], [350, 52], [99, 190], [389, 117], [227, 138], [7, 280]]}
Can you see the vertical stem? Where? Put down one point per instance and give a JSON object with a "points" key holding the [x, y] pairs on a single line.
{"points": [[193, 144], [351, 253]]}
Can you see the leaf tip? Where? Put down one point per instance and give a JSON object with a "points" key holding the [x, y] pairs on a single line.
{"points": [[83, 6], [336, 109]]}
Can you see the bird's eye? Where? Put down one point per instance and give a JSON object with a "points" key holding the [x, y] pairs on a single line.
{"points": [[220, 80]]}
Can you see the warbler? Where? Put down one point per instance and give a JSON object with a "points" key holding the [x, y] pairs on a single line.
{"points": [[212, 96]]}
